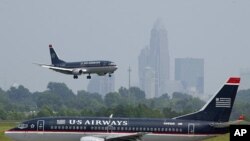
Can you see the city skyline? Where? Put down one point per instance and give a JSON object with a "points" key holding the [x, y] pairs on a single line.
{"points": [[117, 31], [190, 73], [154, 62], [101, 85]]}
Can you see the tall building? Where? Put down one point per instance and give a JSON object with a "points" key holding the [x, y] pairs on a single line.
{"points": [[149, 82], [143, 60], [245, 79], [101, 84], [156, 57], [190, 72]]}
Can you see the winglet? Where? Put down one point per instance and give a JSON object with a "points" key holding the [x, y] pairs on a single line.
{"points": [[233, 81]]}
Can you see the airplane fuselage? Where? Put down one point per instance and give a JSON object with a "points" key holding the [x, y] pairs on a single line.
{"points": [[98, 67], [73, 128]]}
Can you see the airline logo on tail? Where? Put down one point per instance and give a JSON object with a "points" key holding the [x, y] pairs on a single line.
{"points": [[223, 103]]}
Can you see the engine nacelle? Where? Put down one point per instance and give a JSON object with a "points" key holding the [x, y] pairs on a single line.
{"points": [[90, 138], [77, 71], [102, 74]]}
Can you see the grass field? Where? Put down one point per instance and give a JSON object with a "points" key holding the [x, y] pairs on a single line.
{"points": [[7, 125]]}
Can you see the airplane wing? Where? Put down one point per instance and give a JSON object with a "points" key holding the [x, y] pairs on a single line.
{"points": [[55, 68], [128, 137], [65, 70]]}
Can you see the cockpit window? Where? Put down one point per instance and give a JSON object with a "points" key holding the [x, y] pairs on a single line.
{"points": [[22, 126], [112, 63]]}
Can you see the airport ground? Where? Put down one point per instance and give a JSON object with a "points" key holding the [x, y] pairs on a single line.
{"points": [[5, 125]]}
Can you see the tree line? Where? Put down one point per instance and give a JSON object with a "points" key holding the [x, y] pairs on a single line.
{"points": [[18, 103]]}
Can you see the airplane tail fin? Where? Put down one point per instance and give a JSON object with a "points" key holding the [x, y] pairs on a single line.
{"points": [[54, 58], [219, 107]]}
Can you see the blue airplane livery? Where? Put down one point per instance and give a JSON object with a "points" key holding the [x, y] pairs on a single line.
{"points": [[210, 121], [99, 67]]}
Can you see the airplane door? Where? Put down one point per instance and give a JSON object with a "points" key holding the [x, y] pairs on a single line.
{"points": [[109, 129], [40, 125], [191, 128]]}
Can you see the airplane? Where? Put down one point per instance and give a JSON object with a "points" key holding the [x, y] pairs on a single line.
{"points": [[99, 67], [210, 121]]}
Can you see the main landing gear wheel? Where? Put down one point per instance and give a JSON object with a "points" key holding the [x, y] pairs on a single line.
{"points": [[75, 77], [110, 75], [88, 77]]}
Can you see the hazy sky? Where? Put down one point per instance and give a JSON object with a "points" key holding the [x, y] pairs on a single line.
{"points": [[116, 30]]}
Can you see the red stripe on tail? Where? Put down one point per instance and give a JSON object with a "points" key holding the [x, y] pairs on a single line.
{"points": [[234, 80]]}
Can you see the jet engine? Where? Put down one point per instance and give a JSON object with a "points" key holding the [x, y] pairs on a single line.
{"points": [[77, 71], [102, 74], [89, 138]]}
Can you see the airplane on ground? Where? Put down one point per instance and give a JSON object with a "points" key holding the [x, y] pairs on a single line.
{"points": [[99, 67], [211, 120]]}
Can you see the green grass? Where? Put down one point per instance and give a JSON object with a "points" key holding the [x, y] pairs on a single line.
{"points": [[5, 125], [219, 138]]}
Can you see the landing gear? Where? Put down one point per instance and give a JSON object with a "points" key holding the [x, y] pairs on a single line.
{"points": [[89, 77], [75, 76], [110, 75]]}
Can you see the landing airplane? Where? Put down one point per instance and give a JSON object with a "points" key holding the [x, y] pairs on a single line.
{"points": [[209, 121], [77, 68]]}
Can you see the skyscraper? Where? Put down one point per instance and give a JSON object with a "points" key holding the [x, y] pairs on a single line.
{"points": [[101, 84], [156, 59], [190, 72]]}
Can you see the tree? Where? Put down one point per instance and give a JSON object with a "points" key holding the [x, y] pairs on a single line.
{"points": [[45, 112], [86, 100], [112, 99], [60, 89], [3, 114]]}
